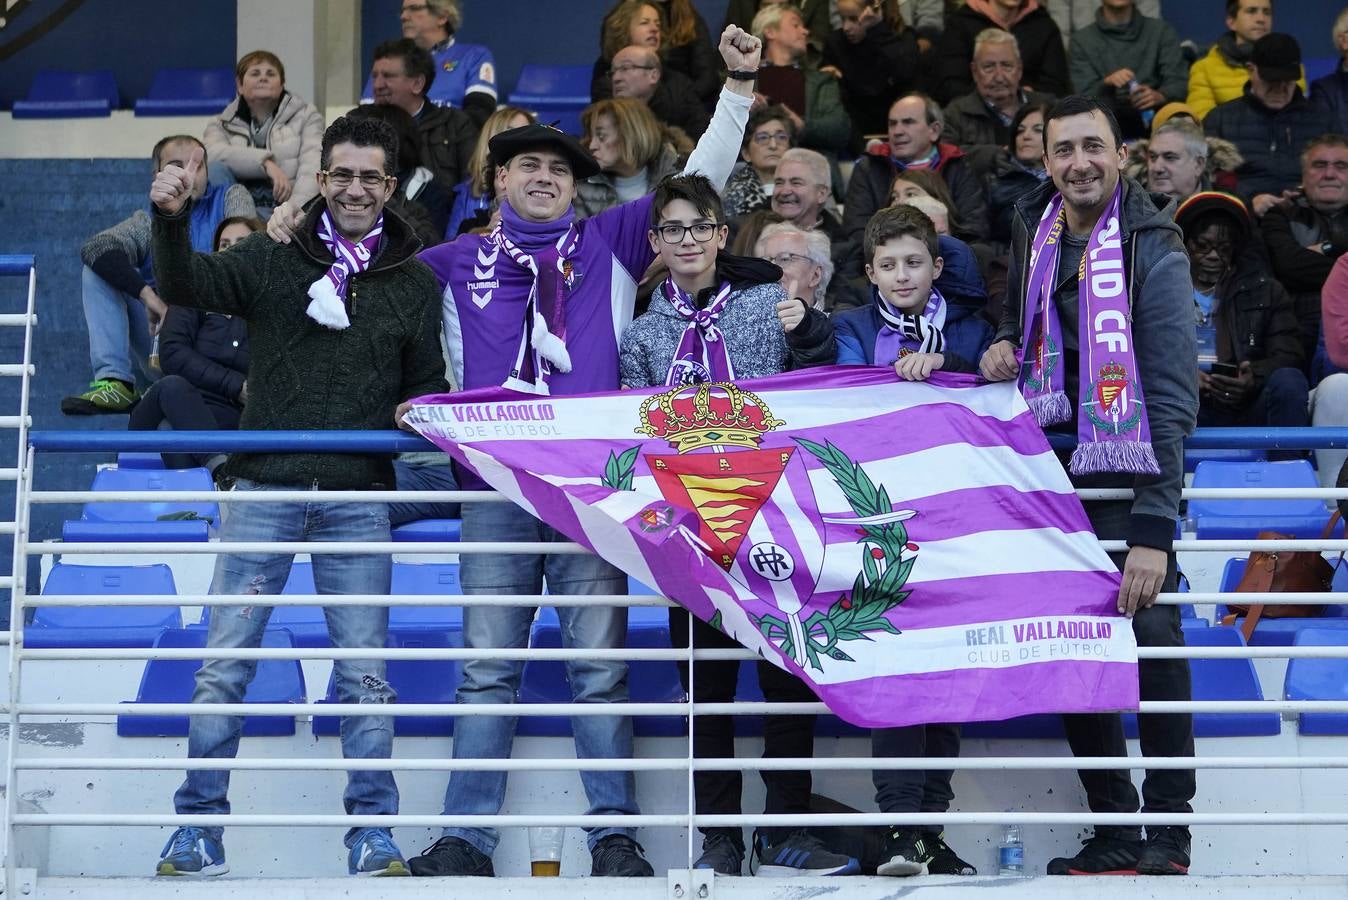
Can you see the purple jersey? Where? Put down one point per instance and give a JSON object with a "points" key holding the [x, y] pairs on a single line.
{"points": [[485, 293]]}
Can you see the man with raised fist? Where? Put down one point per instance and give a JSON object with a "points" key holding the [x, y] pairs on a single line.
{"points": [[344, 325]]}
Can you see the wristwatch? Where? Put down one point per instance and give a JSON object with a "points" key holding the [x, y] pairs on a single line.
{"points": [[1327, 247]]}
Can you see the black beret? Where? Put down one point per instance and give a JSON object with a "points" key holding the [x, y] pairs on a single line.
{"points": [[509, 144]]}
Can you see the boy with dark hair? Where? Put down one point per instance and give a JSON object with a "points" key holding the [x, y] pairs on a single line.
{"points": [[725, 318], [911, 323]]}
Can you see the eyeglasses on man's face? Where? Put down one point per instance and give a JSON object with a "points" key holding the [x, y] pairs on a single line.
{"points": [[701, 232], [782, 260], [341, 178], [628, 67], [415, 7]]}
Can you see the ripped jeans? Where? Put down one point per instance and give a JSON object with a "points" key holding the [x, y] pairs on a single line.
{"points": [[204, 792]]}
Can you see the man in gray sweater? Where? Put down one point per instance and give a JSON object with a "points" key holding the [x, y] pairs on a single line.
{"points": [[1131, 61]]}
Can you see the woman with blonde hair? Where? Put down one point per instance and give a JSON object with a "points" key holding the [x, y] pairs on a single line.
{"points": [[474, 195], [633, 149], [674, 30]]}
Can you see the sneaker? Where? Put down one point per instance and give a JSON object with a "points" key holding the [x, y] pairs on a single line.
{"points": [[1101, 854], [941, 860], [375, 855], [722, 854], [105, 395], [801, 853], [904, 853], [619, 856], [1166, 852], [452, 856], [192, 853]]}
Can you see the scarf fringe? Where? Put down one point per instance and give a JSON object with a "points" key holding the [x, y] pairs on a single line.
{"points": [[326, 308], [1050, 409], [1096, 457], [548, 345]]}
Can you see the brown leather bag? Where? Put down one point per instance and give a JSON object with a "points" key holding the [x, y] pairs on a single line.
{"points": [[1284, 571]]}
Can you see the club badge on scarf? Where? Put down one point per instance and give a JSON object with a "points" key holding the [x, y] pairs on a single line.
{"points": [[701, 355], [1112, 430], [905, 333], [327, 305]]}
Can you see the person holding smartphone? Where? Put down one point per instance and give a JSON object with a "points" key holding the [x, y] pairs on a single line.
{"points": [[1250, 361]]}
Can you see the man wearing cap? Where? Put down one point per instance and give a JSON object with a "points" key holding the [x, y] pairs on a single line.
{"points": [[539, 306], [1220, 75], [1250, 358], [1271, 123]]}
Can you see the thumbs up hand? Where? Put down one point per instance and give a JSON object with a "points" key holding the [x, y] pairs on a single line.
{"points": [[173, 184]]}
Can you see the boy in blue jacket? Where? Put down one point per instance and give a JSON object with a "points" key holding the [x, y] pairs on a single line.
{"points": [[926, 297]]}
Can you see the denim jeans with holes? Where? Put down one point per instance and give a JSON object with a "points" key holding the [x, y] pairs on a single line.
{"points": [[358, 680]]}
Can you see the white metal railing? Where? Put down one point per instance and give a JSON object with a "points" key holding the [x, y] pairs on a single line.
{"points": [[17, 708]]}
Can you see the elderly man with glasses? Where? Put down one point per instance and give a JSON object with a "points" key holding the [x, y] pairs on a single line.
{"points": [[636, 72]]}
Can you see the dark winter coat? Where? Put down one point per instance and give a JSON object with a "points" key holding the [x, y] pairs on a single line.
{"points": [[448, 138], [1043, 57], [873, 176], [1271, 140], [1255, 321], [1287, 234], [210, 350], [875, 72], [976, 130]]}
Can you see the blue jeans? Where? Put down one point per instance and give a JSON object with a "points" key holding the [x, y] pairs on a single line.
{"points": [[418, 476], [358, 681], [119, 331], [498, 681]]}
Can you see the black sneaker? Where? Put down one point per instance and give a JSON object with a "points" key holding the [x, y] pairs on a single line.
{"points": [[722, 854], [451, 856], [1166, 852], [904, 853], [941, 860], [619, 856], [1101, 854], [801, 853]]}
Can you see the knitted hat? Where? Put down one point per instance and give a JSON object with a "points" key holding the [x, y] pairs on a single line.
{"points": [[1215, 201]]}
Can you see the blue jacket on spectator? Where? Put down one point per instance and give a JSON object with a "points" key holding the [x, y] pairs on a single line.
{"points": [[967, 333]]}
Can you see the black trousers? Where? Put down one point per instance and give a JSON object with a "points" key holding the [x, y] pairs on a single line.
{"points": [[714, 736], [915, 790], [175, 400], [1172, 734]]}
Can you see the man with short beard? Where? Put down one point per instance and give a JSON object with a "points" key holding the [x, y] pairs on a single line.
{"points": [[979, 123]]}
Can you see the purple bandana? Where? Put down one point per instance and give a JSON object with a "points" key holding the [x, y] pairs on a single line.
{"points": [[328, 303], [701, 355], [1112, 430], [905, 333]]}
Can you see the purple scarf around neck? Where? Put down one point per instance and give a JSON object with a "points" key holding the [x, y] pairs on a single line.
{"points": [[701, 354], [327, 304], [546, 250], [905, 333], [1112, 430]]}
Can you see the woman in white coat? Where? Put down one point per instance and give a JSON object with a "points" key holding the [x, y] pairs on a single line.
{"points": [[269, 139]]}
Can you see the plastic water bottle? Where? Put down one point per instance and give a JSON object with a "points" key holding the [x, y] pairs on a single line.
{"points": [[154, 353], [1011, 852], [1147, 114]]}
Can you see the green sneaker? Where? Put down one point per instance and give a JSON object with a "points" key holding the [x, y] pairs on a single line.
{"points": [[105, 395]]}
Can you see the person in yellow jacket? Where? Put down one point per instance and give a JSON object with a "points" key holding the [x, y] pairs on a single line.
{"points": [[1221, 75]]}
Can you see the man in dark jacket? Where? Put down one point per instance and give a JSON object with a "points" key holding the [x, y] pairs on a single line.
{"points": [[637, 73], [1332, 89], [402, 74], [915, 124], [1306, 234], [1250, 360], [1084, 154], [368, 341], [1041, 45], [1271, 124]]}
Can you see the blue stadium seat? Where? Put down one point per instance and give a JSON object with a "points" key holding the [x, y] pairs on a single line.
{"points": [[1222, 679], [415, 681], [1187, 612], [188, 92], [1319, 679], [69, 95], [426, 580], [1283, 632], [118, 479], [1193, 457], [428, 530], [648, 681], [1246, 518], [554, 93], [73, 531], [172, 681], [104, 626], [140, 461]]}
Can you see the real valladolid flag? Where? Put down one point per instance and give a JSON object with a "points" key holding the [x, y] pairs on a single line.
{"points": [[913, 550]]}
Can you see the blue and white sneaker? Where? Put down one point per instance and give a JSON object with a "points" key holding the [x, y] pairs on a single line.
{"points": [[375, 855], [192, 853], [801, 853]]}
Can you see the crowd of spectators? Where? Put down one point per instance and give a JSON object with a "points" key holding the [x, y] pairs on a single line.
{"points": [[865, 129]]}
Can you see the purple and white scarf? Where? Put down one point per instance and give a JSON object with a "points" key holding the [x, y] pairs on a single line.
{"points": [[546, 250], [905, 333], [1112, 430], [701, 355], [328, 304]]}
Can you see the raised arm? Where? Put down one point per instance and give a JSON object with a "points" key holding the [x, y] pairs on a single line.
{"points": [[719, 147]]}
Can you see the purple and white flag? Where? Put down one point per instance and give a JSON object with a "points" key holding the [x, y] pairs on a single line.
{"points": [[913, 550]]}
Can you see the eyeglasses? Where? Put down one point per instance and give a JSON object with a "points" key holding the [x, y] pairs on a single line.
{"points": [[416, 7], [763, 138], [782, 260], [701, 232], [627, 67], [342, 178]]}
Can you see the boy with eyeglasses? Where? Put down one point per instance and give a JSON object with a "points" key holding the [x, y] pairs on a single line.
{"points": [[722, 318]]}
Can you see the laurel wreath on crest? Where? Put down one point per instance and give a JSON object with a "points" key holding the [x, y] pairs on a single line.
{"points": [[1124, 425], [619, 469], [879, 585], [1050, 364]]}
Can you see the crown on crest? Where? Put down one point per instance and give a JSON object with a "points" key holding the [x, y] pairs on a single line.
{"points": [[1112, 371], [706, 415]]}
